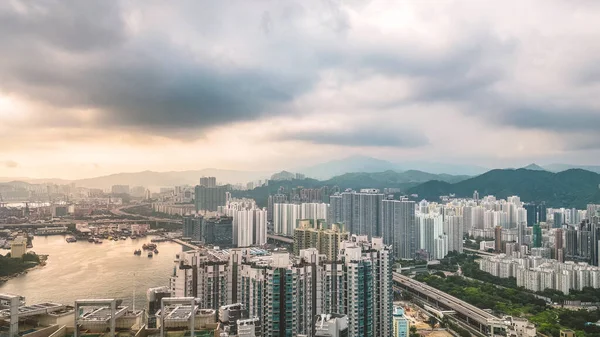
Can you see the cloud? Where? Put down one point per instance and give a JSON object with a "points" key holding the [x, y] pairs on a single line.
{"points": [[359, 137], [181, 71], [10, 164], [133, 81]]}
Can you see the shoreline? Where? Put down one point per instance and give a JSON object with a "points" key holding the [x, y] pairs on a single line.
{"points": [[4, 279]]}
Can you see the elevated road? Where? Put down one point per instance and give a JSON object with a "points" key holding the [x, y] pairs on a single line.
{"points": [[479, 318], [283, 239], [478, 252], [119, 212], [186, 244]]}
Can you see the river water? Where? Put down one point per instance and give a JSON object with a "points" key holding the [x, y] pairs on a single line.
{"points": [[83, 270]]}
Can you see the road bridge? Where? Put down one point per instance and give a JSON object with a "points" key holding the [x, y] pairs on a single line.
{"points": [[479, 252], [186, 244], [279, 238], [481, 319]]}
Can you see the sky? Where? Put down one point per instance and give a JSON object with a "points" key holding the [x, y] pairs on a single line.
{"points": [[89, 88]]}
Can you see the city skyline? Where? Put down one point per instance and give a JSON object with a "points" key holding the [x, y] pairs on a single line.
{"points": [[273, 86]]}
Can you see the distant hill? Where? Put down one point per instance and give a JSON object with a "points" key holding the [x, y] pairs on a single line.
{"points": [[367, 164], [442, 168], [571, 188], [162, 179], [564, 167], [387, 179], [534, 167], [356, 181], [338, 167]]}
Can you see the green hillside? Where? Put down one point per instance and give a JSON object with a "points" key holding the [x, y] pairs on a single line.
{"points": [[356, 181], [571, 188]]}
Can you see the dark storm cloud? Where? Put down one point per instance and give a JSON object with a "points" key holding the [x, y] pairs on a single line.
{"points": [[143, 82], [70, 24], [368, 136], [74, 54]]}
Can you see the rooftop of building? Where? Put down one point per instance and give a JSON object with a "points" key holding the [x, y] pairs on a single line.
{"points": [[184, 312], [103, 314], [37, 309]]}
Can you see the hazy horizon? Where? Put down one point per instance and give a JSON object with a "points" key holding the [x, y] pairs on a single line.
{"points": [[96, 88]]}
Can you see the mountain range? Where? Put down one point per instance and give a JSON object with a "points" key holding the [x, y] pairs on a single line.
{"points": [[570, 188], [340, 171], [367, 164]]}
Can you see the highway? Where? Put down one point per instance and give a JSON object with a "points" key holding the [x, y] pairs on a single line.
{"points": [[119, 212], [280, 238], [479, 252], [471, 312]]}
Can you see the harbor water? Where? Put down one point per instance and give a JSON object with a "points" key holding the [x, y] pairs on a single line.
{"points": [[82, 270]]}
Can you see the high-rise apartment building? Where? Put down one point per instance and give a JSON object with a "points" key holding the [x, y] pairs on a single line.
{"points": [[359, 211], [218, 231], [285, 217], [287, 293], [400, 227], [453, 228], [326, 240], [537, 236], [250, 227], [274, 199], [532, 214], [368, 280], [314, 211], [208, 181], [498, 239], [210, 198], [592, 210], [558, 245], [192, 227], [430, 227], [120, 189]]}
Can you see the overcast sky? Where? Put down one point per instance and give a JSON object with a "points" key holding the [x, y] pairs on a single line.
{"points": [[91, 88]]}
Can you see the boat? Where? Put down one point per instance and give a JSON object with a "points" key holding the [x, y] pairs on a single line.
{"points": [[97, 240], [91, 240], [150, 254], [155, 251], [137, 252], [71, 239], [133, 237], [123, 238], [149, 246]]}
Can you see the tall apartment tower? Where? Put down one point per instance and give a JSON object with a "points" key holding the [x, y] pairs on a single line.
{"points": [[208, 199], [327, 241], [272, 200], [285, 217], [367, 270], [498, 239], [283, 294], [208, 181], [453, 227], [250, 227], [360, 212], [558, 245], [399, 227]]}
